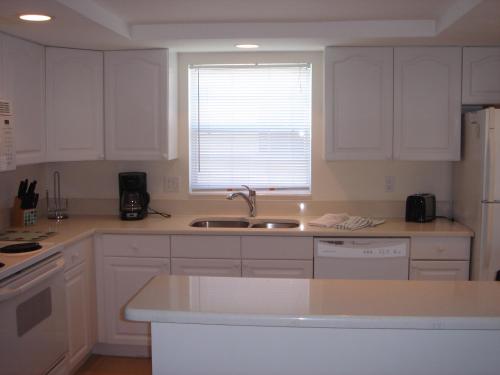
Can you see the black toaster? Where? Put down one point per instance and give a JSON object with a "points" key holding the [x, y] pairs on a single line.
{"points": [[421, 208]]}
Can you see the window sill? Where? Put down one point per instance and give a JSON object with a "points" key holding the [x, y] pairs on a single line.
{"points": [[285, 195]]}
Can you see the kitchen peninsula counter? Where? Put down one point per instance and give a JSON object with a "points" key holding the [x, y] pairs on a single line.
{"points": [[297, 326]]}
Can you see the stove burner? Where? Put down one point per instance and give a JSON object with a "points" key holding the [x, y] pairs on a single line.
{"points": [[20, 248], [1, 264]]}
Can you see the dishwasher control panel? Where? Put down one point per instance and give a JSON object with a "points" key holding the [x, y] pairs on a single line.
{"points": [[362, 248]]}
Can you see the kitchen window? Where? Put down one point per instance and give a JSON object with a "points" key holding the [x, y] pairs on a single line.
{"points": [[250, 124]]}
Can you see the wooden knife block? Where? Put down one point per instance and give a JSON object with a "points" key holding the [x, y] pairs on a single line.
{"points": [[20, 217]]}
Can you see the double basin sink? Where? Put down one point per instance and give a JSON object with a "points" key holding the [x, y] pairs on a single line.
{"points": [[244, 223]]}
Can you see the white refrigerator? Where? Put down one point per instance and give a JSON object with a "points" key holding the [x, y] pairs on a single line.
{"points": [[476, 190]]}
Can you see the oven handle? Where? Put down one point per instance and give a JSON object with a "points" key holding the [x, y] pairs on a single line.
{"points": [[21, 285]]}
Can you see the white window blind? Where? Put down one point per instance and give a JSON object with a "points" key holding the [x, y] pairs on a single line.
{"points": [[250, 124]]}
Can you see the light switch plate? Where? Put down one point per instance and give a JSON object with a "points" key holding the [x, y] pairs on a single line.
{"points": [[390, 184]]}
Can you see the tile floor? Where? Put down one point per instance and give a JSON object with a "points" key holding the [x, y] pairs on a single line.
{"points": [[105, 365]]}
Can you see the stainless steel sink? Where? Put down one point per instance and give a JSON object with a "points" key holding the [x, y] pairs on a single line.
{"points": [[221, 223], [244, 223], [275, 224]]}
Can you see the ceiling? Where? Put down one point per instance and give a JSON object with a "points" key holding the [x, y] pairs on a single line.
{"points": [[216, 25]]}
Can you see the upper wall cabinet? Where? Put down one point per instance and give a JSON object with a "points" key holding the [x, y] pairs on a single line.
{"points": [[481, 75], [74, 98], [358, 103], [427, 99], [136, 105], [24, 79]]}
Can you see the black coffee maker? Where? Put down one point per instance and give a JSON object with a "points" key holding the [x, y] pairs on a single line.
{"points": [[134, 197]]}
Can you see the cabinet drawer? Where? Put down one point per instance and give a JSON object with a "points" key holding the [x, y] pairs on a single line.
{"points": [[77, 253], [439, 270], [206, 267], [453, 248], [276, 247], [206, 247], [156, 246], [302, 269]]}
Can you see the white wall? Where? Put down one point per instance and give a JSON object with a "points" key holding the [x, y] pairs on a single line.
{"points": [[331, 181]]}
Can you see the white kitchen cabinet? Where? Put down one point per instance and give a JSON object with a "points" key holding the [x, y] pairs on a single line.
{"points": [[121, 279], [206, 267], [199, 246], [74, 103], [80, 301], [138, 92], [135, 245], [358, 103], [481, 75], [427, 100], [77, 314], [440, 248], [24, 79], [277, 247], [439, 270], [277, 268], [440, 258]]}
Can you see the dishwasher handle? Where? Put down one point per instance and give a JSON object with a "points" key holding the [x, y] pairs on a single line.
{"points": [[31, 278]]}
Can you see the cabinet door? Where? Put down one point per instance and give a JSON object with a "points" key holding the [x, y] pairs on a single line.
{"points": [[122, 278], [427, 98], [77, 314], [206, 267], [278, 268], [439, 270], [358, 103], [24, 78], [481, 75], [74, 98], [136, 87]]}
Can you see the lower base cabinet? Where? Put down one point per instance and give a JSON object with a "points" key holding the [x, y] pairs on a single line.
{"points": [[206, 267], [123, 277], [439, 270], [80, 301], [77, 314], [277, 268]]}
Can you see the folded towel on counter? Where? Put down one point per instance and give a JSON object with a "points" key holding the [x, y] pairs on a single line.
{"points": [[329, 220], [345, 222], [358, 222]]}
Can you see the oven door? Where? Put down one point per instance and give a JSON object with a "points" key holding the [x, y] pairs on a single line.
{"points": [[33, 336]]}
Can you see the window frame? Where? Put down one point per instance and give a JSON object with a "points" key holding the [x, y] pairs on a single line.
{"points": [[248, 58]]}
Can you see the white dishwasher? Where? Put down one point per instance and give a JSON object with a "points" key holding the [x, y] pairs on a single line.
{"points": [[361, 258]]}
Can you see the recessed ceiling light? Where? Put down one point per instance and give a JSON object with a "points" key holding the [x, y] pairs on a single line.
{"points": [[247, 46], [35, 17]]}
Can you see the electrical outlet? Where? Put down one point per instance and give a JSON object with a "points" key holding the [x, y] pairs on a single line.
{"points": [[172, 184], [390, 184]]}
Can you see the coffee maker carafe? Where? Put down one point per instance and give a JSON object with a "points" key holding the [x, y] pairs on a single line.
{"points": [[134, 198]]}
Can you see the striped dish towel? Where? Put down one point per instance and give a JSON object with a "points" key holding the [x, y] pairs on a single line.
{"points": [[358, 222]]}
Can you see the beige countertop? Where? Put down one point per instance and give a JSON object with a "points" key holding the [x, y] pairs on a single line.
{"points": [[318, 303], [77, 227]]}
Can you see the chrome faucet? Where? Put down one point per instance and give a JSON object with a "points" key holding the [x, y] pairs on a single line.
{"points": [[251, 199]]}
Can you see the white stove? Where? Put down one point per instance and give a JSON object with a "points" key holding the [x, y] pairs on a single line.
{"points": [[33, 312], [15, 262]]}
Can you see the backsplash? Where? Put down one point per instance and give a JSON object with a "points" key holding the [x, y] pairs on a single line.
{"points": [[355, 187], [332, 181]]}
